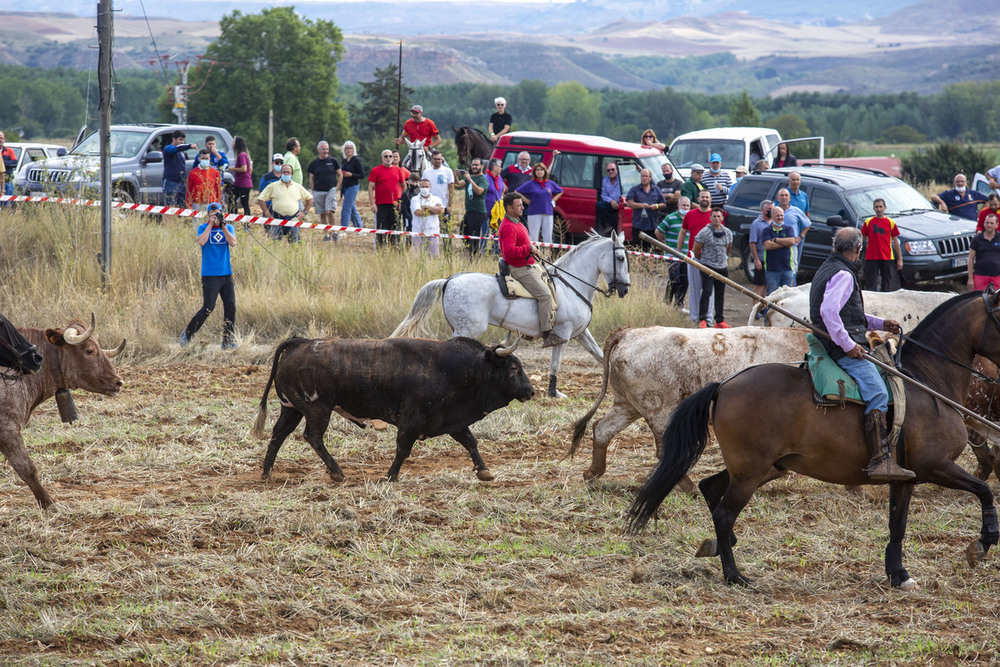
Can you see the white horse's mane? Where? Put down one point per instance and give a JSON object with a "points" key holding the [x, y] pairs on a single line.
{"points": [[593, 238]]}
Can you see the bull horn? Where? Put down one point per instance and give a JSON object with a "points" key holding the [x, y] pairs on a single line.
{"points": [[502, 349], [115, 352], [77, 338]]}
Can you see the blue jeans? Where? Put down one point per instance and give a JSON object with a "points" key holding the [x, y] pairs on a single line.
{"points": [[349, 211], [870, 383], [8, 189], [776, 279], [173, 193]]}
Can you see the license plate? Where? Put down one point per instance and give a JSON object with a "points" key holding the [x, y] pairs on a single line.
{"points": [[960, 261]]}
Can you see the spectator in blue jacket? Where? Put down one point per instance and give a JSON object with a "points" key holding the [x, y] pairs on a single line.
{"points": [[174, 171]]}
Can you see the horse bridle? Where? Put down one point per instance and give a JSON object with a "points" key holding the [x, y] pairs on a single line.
{"points": [[992, 312], [612, 286]]}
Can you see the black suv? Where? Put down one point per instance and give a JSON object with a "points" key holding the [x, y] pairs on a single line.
{"points": [[935, 245]]}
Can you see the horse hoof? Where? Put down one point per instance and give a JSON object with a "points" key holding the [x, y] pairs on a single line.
{"points": [[738, 580], [974, 552], [484, 475], [265, 477], [337, 477], [708, 549], [590, 474], [910, 585], [558, 394]]}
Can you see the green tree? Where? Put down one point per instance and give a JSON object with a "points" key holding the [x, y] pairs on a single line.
{"points": [[272, 60], [902, 134], [569, 107], [742, 112], [789, 126], [381, 103], [942, 161]]}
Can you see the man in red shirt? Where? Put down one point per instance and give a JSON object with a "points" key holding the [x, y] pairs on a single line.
{"points": [[883, 250], [418, 128], [516, 249], [385, 182], [992, 208], [696, 220], [204, 182]]}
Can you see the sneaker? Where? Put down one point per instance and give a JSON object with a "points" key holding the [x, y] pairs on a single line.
{"points": [[185, 339], [722, 325], [758, 316], [229, 345], [702, 324]]}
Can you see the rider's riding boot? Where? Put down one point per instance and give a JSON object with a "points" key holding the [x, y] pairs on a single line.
{"points": [[551, 339], [882, 467]]}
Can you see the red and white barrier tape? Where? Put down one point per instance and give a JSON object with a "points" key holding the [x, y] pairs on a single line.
{"points": [[277, 222]]}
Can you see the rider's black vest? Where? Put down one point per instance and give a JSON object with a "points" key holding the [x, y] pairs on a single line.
{"points": [[853, 312]]}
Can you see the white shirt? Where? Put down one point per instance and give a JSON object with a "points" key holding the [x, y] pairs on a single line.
{"points": [[441, 180]]}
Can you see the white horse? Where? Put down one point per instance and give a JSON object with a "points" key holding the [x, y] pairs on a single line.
{"points": [[416, 159], [472, 301]]}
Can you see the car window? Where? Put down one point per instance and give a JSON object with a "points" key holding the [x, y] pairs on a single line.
{"points": [[899, 197], [655, 164], [824, 203], [198, 137], [124, 143], [510, 157], [750, 193], [575, 170], [35, 154], [628, 172], [689, 151]]}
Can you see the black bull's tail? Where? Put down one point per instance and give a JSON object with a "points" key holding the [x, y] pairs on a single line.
{"points": [[683, 442], [257, 430]]}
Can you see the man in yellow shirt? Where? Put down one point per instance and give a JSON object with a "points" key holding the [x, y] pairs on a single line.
{"points": [[288, 200]]}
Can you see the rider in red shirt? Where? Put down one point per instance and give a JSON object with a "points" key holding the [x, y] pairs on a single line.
{"points": [[418, 128], [517, 251]]}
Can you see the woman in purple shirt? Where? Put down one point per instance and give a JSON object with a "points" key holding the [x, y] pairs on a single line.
{"points": [[541, 194], [242, 173]]}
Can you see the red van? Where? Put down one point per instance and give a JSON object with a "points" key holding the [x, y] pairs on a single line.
{"points": [[579, 169]]}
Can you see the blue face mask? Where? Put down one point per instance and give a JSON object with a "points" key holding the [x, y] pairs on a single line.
{"points": [[286, 178], [277, 168], [204, 164]]}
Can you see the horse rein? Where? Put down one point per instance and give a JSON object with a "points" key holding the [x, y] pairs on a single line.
{"points": [[556, 271], [992, 312]]}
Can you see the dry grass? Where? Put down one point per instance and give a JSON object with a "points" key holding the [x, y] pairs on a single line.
{"points": [[167, 548]]}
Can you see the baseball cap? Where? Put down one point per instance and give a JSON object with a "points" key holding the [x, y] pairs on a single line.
{"points": [[715, 157], [417, 107], [214, 206], [697, 167], [277, 156], [741, 169]]}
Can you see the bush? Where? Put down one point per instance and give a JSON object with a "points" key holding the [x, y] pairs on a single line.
{"points": [[942, 161]]}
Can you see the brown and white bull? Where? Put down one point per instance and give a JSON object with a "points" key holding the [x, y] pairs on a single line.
{"points": [[651, 370], [72, 359], [908, 307], [425, 387]]}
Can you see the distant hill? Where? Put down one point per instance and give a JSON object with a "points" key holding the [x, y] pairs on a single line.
{"points": [[628, 44]]}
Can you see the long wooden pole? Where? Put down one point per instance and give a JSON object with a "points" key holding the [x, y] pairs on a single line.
{"points": [[819, 332]]}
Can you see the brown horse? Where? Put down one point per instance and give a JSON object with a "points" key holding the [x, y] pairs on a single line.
{"points": [[789, 433], [470, 143]]}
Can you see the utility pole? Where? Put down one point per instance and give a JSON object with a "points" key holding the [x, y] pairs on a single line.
{"points": [[180, 92], [105, 31]]}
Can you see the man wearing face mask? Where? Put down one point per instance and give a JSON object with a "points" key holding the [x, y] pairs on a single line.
{"points": [[204, 183], [836, 306], [272, 175], [285, 200], [757, 227], [716, 181], [959, 200], [668, 231], [426, 207]]}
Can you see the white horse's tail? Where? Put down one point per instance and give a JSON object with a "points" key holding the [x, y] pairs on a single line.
{"points": [[414, 325]]}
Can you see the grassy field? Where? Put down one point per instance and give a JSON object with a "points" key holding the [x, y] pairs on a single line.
{"points": [[167, 549]]}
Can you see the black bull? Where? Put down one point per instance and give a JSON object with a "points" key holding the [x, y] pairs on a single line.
{"points": [[425, 388]]}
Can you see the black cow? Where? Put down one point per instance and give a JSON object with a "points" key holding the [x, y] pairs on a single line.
{"points": [[425, 388]]}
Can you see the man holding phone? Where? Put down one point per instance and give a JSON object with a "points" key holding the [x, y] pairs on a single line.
{"points": [[215, 238]]}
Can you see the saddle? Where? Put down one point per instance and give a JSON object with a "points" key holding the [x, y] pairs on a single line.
{"points": [[832, 387], [512, 289]]}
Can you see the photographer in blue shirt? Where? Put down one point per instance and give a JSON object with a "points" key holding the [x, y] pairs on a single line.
{"points": [[215, 238]]}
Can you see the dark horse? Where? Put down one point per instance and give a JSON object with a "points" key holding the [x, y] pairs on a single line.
{"points": [[789, 433], [16, 351], [470, 143]]}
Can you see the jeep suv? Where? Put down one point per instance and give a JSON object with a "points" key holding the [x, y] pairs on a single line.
{"points": [[935, 245], [136, 164]]}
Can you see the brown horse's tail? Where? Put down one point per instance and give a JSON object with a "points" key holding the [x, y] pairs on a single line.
{"points": [[683, 442], [581, 424]]}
